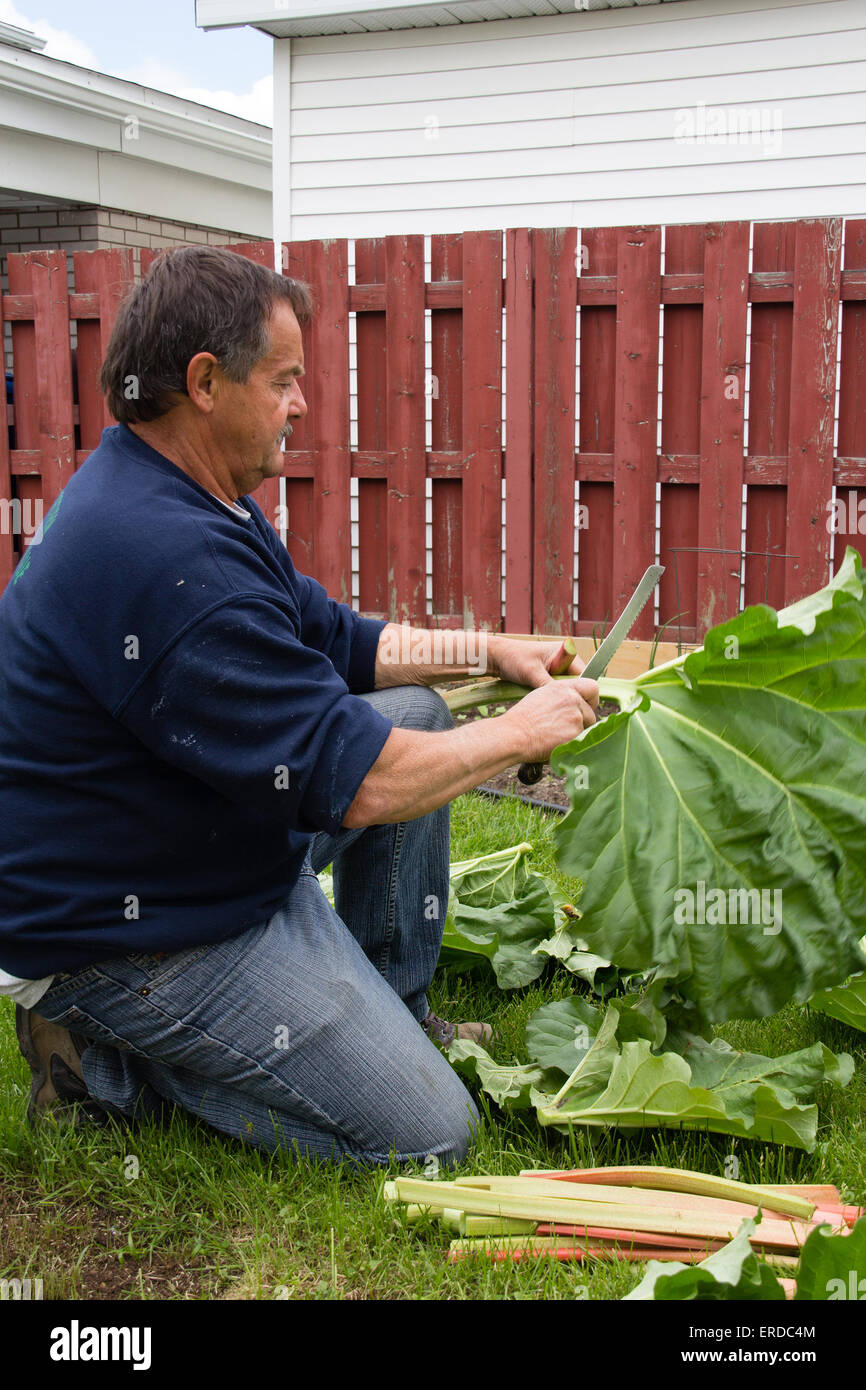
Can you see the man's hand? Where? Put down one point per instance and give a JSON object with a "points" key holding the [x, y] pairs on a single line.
{"points": [[534, 663]]}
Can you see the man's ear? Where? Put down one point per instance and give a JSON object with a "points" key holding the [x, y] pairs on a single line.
{"points": [[203, 376]]}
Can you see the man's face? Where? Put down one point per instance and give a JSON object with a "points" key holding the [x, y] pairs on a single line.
{"points": [[253, 417]]}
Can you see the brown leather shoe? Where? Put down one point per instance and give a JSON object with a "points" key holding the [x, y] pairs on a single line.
{"points": [[440, 1031], [54, 1053]]}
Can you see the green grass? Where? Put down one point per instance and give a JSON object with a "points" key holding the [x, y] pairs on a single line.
{"points": [[200, 1216]]}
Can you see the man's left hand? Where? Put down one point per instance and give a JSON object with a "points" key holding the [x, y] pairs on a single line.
{"points": [[534, 663]]}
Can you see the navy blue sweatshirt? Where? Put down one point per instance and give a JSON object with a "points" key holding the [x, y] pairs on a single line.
{"points": [[178, 716]]}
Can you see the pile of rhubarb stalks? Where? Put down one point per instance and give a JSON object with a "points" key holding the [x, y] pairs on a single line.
{"points": [[638, 1213]]}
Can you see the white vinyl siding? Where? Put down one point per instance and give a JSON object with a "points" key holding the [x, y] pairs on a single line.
{"points": [[574, 119]]}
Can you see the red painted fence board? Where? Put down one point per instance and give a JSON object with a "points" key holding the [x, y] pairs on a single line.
{"points": [[584, 318], [635, 451], [444, 391], [769, 416], [553, 493], [8, 554], [849, 515], [817, 269], [520, 395], [596, 432], [682, 350]]}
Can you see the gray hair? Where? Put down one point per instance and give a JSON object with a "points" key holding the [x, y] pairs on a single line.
{"points": [[193, 299]]}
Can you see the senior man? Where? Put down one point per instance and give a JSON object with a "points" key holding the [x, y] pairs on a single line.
{"points": [[190, 731]]}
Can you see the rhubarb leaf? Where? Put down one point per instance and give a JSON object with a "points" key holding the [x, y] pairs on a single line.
{"points": [[596, 1069], [846, 1002], [491, 879], [511, 1087], [734, 1272], [731, 785], [833, 1267], [560, 1034], [500, 912]]}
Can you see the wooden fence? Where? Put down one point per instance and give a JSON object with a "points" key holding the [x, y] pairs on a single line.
{"points": [[637, 384]]}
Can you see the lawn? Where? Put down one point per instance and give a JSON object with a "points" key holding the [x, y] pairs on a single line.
{"points": [[184, 1213]]}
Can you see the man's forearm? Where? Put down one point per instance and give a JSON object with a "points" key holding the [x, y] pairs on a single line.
{"points": [[425, 656], [417, 772]]}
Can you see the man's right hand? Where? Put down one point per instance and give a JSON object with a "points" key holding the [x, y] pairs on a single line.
{"points": [[416, 772], [552, 714]]}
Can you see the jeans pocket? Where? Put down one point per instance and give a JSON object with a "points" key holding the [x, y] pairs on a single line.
{"points": [[161, 968]]}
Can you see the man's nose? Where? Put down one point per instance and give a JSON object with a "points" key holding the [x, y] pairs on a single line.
{"points": [[298, 406]]}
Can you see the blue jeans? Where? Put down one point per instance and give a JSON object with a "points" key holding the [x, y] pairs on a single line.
{"points": [[301, 1033]]}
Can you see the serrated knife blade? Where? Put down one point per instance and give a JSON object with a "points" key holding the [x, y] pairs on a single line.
{"points": [[529, 773]]}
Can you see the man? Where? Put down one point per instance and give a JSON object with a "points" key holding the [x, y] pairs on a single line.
{"points": [[191, 731]]}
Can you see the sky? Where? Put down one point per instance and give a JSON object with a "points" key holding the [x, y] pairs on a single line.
{"points": [[156, 42]]}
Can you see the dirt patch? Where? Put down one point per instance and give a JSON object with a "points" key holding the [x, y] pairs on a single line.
{"points": [[550, 789], [83, 1252]]}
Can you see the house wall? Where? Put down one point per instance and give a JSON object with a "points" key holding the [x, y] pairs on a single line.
{"points": [[681, 112]]}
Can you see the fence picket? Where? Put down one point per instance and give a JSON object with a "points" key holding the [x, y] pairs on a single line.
{"points": [[817, 269], [682, 386], [635, 467], [554, 468], [769, 417], [444, 389], [108, 275], [404, 330], [8, 492], [482, 429], [850, 512], [519, 412], [722, 399], [42, 365], [597, 428]]}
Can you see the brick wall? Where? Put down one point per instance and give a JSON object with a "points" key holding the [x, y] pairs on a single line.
{"points": [[73, 227], [76, 228]]}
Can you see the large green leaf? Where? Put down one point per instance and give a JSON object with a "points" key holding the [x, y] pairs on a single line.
{"points": [[560, 1034], [732, 783], [513, 929], [498, 911], [491, 879], [846, 1002], [596, 1069], [833, 1267], [646, 1091], [512, 1087], [734, 1272]]}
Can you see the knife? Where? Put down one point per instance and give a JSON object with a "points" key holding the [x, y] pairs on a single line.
{"points": [[528, 773]]}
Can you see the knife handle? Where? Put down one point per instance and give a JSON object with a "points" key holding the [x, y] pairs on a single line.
{"points": [[528, 773]]}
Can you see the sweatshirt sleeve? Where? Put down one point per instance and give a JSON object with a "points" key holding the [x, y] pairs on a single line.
{"points": [[342, 634], [245, 706], [349, 640]]}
